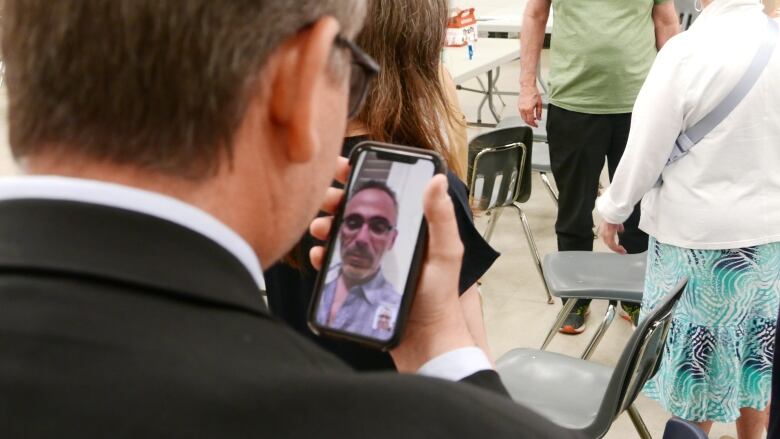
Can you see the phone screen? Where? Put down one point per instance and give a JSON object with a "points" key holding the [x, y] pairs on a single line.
{"points": [[368, 267]]}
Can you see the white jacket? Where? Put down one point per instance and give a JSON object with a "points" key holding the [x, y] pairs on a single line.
{"points": [[726, 192]]}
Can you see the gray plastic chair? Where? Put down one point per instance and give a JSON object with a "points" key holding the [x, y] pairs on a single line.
{"points": [[587, 397], [499, 176], [540, 159], [593, 275], [686, 12], [677, 428]]}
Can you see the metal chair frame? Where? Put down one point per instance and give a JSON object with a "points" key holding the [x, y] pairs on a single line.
{"points": [[538, 138], [686, 19], [606, 322], [686, 13], [633, 297], [495, 211]]}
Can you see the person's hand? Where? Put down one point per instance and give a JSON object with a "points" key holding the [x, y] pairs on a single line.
{"points": [[608, 233], [529, 104], [436, 324]]}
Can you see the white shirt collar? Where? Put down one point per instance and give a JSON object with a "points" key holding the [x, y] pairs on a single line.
{"points": [[137, 200]]}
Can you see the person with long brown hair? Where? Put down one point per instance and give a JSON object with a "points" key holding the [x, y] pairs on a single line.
{"points": [[406, 104]]}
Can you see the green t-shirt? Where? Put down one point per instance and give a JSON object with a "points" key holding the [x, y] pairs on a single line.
{"points": [[600, 53]]}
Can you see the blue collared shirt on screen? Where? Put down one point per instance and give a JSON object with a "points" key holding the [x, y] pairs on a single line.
{"points": [[362, 308]]}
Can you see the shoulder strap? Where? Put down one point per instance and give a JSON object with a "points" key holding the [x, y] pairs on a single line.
{"points": [[694, 134]]}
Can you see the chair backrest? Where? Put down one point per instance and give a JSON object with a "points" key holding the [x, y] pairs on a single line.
{"points": [[686, 12], [677, 428], [639, 361], [500, 167]]}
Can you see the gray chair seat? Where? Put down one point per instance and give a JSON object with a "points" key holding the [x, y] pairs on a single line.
{"points": [[596, 275], [593, 275], [538, 379], [585, 397], [686, 12], [540, 157], [540, 132]]}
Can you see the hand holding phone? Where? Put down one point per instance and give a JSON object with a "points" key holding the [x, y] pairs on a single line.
{"points": [[366, 287], [435, 323]]}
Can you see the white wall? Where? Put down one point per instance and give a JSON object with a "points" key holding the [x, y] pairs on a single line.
{"points": [[408, 182]]}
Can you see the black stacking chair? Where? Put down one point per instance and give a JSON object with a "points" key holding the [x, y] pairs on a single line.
{"points": [[499, 177], [584, 396], [677, 428]]}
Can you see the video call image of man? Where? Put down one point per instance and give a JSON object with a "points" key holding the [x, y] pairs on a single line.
{"points": [[360, 300]]}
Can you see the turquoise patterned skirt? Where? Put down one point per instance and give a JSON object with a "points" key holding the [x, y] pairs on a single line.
{"points": [[718, 356]]}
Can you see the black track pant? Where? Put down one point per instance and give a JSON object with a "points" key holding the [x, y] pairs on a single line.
{"points": [[579, 144]]}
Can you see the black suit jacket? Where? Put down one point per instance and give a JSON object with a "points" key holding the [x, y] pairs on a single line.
{"points": [[118, 324]]}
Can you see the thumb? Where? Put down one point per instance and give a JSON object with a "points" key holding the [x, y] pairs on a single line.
{"points": [[443, 241]]}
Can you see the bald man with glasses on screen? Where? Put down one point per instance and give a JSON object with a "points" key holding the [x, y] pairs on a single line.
{"points": [[360, 298]]}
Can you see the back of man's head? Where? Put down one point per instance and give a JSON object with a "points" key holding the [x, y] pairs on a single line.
{"points": [[157, 84]]}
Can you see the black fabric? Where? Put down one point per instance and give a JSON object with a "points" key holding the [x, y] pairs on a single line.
{"points": [[774, 405], [290, 289], [117, 324], [487, 379], [579, 144]]}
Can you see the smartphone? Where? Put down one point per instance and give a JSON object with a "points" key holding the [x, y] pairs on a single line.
{"points": [[373, 260]]}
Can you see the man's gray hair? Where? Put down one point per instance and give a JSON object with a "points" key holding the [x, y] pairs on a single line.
{"points": [[158, 84]]}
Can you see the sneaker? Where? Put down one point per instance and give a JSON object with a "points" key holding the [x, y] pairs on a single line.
{"points": [[629, 312], [575, 321]]}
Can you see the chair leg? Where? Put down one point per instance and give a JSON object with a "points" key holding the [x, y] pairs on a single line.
{"points": [[609, 316], [568, 306], [546, 180], [534, 251], [484, 100], [639, 424], [496, 92], [491, 227]]}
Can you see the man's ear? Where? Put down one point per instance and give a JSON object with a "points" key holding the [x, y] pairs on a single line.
{"points": [[301, 69]]}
